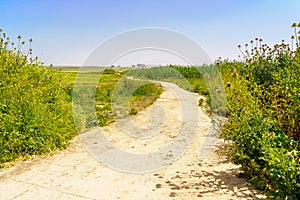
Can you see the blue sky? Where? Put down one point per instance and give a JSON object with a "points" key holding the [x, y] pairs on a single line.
{"points": [[66, 31]]}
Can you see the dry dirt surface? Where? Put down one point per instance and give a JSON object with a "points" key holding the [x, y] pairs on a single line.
{"points": [[75, 174]]}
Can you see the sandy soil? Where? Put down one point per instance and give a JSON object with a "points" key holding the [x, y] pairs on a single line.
{"points": [[75, 174]]}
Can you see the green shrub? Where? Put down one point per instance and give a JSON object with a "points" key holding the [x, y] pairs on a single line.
{"points": [[35, 115], [263, 116], [109, 71]]}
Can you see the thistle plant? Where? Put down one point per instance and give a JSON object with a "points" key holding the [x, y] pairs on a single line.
{"points": [[35, 115], [264, 51], [295, 26], [9, 46], [263, 98]]}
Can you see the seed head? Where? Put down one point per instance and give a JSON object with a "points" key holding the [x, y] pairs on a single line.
{"points": [[294, 25]]}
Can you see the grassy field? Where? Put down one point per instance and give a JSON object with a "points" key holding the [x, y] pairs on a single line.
{"points": [[138, 97]]}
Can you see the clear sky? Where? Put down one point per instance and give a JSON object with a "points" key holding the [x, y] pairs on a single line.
{"points": [[66, 31]]}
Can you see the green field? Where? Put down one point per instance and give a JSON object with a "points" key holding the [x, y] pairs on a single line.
{"points": [[106, 82]]}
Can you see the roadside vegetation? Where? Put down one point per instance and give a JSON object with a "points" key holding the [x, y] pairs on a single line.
{"points": [[36, 102], [262, 110], [262, 128], [137, 95], [35, 110]]}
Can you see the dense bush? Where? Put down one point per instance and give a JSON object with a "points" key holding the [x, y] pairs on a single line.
{"points": [[263, 116], [35, 116]]}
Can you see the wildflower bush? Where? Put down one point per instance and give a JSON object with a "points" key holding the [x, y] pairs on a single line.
{"points": [[263, 98], [35, 115]]}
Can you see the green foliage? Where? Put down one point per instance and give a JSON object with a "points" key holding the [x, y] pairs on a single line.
{"points": [[263, 117], [109, 71], [35, 115], [129, 95], [263, 112], [166, 73], [134, 98], [204, 80], [103, 98], [36, 102], [144, 96], [189, 78]]}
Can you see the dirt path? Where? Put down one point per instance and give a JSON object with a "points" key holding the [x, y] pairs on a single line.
{"points": [[75, 174]]}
